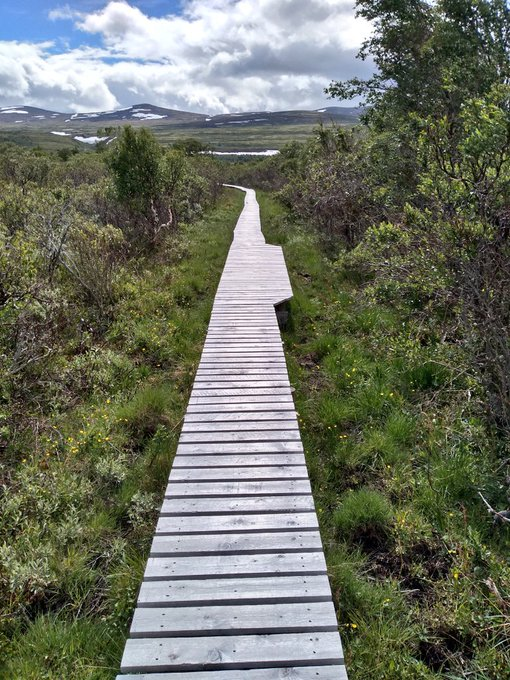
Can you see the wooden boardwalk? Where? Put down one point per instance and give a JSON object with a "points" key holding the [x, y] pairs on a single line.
{"points": [[236, 584]]}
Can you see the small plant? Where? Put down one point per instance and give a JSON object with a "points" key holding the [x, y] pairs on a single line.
{"points": [[364, 515], [147, 410]]}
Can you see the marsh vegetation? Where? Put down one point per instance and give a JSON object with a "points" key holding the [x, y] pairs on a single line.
{"points": [[397, 236]]}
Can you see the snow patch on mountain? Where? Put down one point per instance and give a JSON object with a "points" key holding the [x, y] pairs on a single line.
{"points": [[147, 116]]}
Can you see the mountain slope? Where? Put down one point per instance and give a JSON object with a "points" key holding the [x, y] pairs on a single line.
{"points": [[253, 130]]}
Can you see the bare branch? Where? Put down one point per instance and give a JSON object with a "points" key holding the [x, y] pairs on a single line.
{"points": [[500, 515]]}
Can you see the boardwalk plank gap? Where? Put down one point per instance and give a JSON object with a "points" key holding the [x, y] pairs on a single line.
{"points": [[236, 587]]}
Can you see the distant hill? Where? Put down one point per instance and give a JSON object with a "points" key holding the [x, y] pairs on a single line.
{"points": [[137, 113], [144, 113], [31, 126]]}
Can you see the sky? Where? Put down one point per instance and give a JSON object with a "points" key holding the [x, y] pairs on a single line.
{"points": [[208, 56]]}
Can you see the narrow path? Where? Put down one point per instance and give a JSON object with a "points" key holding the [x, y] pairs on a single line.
{"points": [[236, 585]]}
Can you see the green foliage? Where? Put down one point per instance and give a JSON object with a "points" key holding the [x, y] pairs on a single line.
{"points": [[135, 163], [397, 447], [328, 185], [467, 168], [156, 189], [430, 57], [96, 358], [191, 146]]}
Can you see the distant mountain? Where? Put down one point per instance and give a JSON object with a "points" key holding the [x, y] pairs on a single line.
{"points": [[27, 114], [137, 113], [156, 115], [332, 113], [30, 126]]}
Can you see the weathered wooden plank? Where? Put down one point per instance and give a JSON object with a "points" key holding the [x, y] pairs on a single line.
{"points": [[225, 310], [240, 544], [240, 320], [242, 417], [224, 328], [261, 342], [248, 504], [240, 399], [253, 327], [244, 392], [242, 353], [238, 435], [241, 447], [334, 672], [329, 672], [260, 364], [241, 324], [247, 383], [239, 376], [238, 346], [235, 590], [239, 651], [249, 362], [265, 374], [236, 426], [236, 522], [275, 472], [198, 461], [244, 374], [214, 489], [248, 619], [240, 410], [245, 334], [270, 564]]}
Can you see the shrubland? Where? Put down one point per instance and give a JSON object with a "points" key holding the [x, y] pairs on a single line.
{"points": [[108, 265]]}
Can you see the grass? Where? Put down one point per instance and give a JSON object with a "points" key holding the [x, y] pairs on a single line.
{"points": [[363, 515], [228, 138], [419, 571], [78, 514]]}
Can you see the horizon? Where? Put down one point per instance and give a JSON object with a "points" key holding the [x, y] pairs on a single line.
{"points": [[224, 56], [7, 108]]}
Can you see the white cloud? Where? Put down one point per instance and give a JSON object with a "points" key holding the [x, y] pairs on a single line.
{"points": [[217, 56], [64, 12], [32, 74]]}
